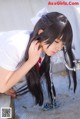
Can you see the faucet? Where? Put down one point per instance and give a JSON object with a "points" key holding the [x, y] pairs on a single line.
{"points": [[76, 67]]}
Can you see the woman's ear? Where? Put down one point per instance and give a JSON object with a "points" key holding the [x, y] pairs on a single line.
{"points": [[40, 31]]}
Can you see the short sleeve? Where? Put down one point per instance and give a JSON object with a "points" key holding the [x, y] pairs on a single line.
{"points": [[8, 57], [8, 52], [12, 49]]}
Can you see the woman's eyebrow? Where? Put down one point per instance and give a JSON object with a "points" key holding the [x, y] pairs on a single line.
{"points": [[59, 41]]}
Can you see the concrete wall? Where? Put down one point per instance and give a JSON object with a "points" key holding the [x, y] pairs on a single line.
{"points": [[16, 14]]}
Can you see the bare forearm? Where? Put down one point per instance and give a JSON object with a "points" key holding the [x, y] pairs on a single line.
{"points": [[17, 75]]}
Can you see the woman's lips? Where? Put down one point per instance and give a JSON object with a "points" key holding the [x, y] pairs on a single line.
{"points": [[53, 52]]}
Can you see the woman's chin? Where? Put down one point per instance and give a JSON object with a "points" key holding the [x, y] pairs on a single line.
{"points": [[50, 54]]}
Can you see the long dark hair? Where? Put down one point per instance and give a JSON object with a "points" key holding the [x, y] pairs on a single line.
{"points": [[54, 25]]}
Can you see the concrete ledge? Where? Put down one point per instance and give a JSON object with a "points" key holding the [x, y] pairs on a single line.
{"points": [[6, 101]]}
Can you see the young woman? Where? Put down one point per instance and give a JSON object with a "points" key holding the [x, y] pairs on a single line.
{"points": [[20, 51]]}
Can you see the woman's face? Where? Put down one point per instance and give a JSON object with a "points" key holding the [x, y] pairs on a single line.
{"points": [[56, 46]]}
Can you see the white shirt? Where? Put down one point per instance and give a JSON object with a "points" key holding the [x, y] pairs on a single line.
{"points": [[12, 48]]}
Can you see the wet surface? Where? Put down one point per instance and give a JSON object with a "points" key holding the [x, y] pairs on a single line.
{"points": [[67, 103]]}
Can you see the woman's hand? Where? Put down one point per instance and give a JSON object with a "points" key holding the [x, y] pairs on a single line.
{"points": [[11, 92], [34, 52]]}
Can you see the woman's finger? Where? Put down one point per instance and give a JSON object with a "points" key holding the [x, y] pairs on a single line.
{"points": [[12, 91]]}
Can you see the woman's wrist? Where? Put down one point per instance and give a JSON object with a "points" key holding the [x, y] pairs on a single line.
{"points": [[30, 63]]}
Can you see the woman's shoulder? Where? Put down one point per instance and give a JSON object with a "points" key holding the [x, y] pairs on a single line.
{"points": [[15, 39], [12, 48], [13, 36]]}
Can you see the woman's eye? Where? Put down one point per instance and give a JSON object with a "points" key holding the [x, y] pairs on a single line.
{"points": [[56, 42]]}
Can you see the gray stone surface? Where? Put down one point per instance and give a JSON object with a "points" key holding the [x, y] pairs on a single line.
{"points": [[4, 102]]}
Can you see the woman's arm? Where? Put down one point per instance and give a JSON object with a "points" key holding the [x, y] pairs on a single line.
{"points": [[11, 78], [8, 79]]}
